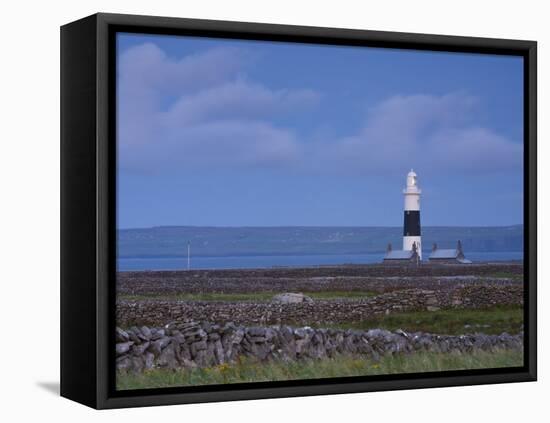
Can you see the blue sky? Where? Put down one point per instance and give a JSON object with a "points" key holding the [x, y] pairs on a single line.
{"points": [[218, 132]]}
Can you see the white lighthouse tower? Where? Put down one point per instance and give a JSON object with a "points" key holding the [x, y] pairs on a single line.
{"points": [[411, 225]]}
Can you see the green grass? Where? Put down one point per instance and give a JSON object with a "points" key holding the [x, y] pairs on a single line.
{"points": [[330, 295], [201, 296], [248, 371], [494, 320], [506, 275], [245, 296]]}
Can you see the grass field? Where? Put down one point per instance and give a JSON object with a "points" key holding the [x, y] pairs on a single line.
{"points": [[245, 296], [247, 371], [506, 275], [493, 320]]}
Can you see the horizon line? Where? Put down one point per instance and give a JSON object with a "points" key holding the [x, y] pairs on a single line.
{"points": [[311, 226]]}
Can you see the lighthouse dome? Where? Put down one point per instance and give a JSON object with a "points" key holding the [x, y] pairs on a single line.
{"points": [[412, 179]]}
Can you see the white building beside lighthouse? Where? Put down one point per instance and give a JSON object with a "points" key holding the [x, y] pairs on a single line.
{"points": [[412, 234]]}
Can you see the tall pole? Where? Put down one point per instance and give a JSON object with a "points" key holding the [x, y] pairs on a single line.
{"points": [[188, 255]]}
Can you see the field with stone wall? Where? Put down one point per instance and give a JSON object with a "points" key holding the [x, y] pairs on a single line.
{"points": [[202, 319]]}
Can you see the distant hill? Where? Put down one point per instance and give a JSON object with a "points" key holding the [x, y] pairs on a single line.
{"points": [[171, 241]]}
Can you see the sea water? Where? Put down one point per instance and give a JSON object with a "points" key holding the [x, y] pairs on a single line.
{"points": [[252, 262]]}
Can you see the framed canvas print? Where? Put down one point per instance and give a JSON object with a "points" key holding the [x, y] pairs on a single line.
{"points": [[254, 211]]}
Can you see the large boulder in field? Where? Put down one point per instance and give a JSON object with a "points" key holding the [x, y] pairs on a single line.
{"points": [[291, 298]]}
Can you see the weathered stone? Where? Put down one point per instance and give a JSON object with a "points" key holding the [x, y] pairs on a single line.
{"points": [[220, 356], [300, 333], [159, 333], [186, 326], [123, 363], [301, 346], [286, 343], [140, 349], [132, 335], [184, 352], [291, 298], [137, 363], [260, 351], [228, 327], [123, 347], [169, 328], [256, 331], [146, 333], [197, 346], [121, 335], [195, 335], [156, 346], [148, 360], [210, 357], [168, 357], [214, 336], [328, 311]]}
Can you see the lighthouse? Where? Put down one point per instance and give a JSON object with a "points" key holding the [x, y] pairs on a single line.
{"points": [[411, 224]]}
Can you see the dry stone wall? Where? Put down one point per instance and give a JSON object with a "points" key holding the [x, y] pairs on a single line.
{"points": [[159, 312], [344, 278], [192, 344]]}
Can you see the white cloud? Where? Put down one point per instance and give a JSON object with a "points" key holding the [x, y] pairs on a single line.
{"points": [[237, 99], [215, 116], [422, 131], [219, 143], [146, 66]]}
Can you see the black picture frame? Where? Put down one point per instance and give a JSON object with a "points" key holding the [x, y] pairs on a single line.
{"points": [[88, 195]]}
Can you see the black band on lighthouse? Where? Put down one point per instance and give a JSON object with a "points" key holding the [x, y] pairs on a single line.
{"points": [[411, 225]]}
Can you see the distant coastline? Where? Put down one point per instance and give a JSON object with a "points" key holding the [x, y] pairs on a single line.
{"points": [[171, 241]]}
